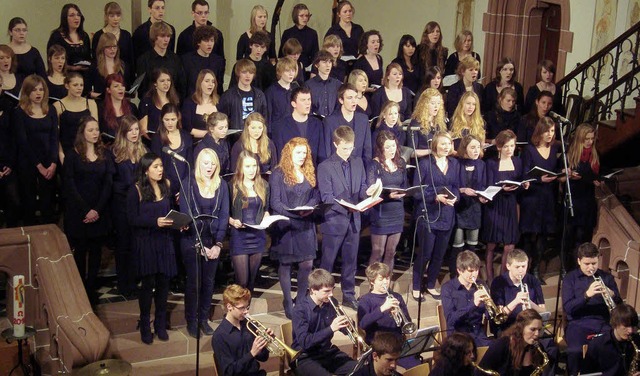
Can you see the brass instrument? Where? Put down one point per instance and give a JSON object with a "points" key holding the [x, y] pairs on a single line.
{"points": [[485, 371], [495, 313], [275, 346], [608, 299], [524, 288], [399, 317], [635, 361], [545, 360], [352, 330]]}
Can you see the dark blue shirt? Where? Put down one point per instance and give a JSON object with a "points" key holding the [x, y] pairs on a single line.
{"points": [[232, 350], [459, 311], [503, 291], [608, 355], [371, 319], [312, 331], [324, 95], [574, 304]]}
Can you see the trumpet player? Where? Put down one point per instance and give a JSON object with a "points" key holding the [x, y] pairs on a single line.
{"points": [[583, 303], [237, 351], [613, 352], [314, 323], [515, 290], [377, 310], [463, 302]]}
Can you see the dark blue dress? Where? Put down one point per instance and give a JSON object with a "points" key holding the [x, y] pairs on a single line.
{"points": [[387, 218], [185, 150], [585, 208], [500, 216], [293, 240], [374, 75], [469, 209], [221, 149], [537, 204], [68, 125], [153, 114], [248, 241], [153, 245], [379, 98]]}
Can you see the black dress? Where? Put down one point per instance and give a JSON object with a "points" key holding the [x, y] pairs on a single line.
{"points": [[69, 123], [56, 92], [387, 218], [469, 209], [31, 62], [374, 75], [499, 216]]}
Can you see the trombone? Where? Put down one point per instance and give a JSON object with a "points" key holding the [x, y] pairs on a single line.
{"points": [[352, 330], [399, 317], [275, 346]]}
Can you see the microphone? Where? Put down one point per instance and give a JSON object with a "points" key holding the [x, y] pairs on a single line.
{"points": [[173, 154], [559, 118], [406, 128]]}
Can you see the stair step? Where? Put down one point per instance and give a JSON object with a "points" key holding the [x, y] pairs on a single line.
{"points": [[607, 123], [628, 112]]}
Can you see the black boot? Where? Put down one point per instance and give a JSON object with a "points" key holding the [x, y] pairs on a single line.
{"points": [[160, 325], [192, 329], [145, 329]]}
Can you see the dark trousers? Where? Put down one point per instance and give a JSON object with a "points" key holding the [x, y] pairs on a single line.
{"points": [[576, 336], [198, 287], [88, 271], [160, 282], [33, 185], [432, 248], [126, 263], [10, 198], [348, 243], [332, 362]]}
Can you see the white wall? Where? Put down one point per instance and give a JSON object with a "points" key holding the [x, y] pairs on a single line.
{"points": [[391, 17]]}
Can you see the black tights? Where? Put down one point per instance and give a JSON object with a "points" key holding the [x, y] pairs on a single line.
{"points": [[88, 272], [384, 245], [284, 274], [160, 282], [534, 245], [246, 269], [489, 259]]}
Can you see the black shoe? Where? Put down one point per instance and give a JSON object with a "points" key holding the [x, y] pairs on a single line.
{"points": [[193, 329], [419, 298], [351, 303], [206, 329], [145, 331], [161, 330], [434, 293]]}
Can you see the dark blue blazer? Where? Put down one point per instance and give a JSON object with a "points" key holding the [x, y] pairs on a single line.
{"points": [[287, 129], [333, 185], [359, 124]]}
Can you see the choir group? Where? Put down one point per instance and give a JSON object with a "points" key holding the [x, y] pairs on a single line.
{"points": [[305, 132]]}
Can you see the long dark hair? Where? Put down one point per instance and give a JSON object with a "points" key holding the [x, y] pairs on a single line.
{"points": [[407, 38], [517, 344], [109, 111], [142, 180], [452, 353], [64, 24], [383, 137], [80, 143], [168, 108]]}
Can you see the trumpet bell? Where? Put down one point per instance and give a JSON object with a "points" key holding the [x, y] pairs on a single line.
{"points": [[409, 328]]}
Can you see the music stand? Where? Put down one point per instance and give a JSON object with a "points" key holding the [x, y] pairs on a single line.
{"points": [[423, 341], [364, 360]]}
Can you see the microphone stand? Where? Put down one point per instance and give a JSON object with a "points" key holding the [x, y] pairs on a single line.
{"points": [[568, 210], [424, 215], [198, 246]]}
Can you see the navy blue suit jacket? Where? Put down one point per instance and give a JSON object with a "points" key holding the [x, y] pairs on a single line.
{"points": [[333, 185], [287, 129]]}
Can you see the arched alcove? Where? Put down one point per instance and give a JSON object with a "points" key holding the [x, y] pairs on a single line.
{"points": [[622, 276], [512, 28], [605, 251]]}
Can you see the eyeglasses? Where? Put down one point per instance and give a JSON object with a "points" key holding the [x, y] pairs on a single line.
{"points": [[111, 47], [241, 308], [202, 13], [20, 30], [305, 15]]}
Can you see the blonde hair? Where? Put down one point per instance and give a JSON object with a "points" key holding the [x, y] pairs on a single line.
{"points": [[259, 184], [460, 38], [122, 148], [263, 142], [577, 145], [286, 162], [461, 121], [253, 27], [199, 174], [385, 110], [353, 77], [437, 137], [333, 41], [421, 112], [108, 39]]}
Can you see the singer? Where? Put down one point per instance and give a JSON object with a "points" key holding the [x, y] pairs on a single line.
{"points": [[389, 120], [208, 196], [170, 134]]}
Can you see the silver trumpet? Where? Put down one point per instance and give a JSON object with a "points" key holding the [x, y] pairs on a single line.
{"points": [[608, 299], [524, 288], [352, 330], [399, 317], [275, 346]]}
